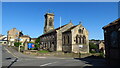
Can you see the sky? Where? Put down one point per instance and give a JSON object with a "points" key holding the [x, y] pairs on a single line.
{"points": [[28, 17]]}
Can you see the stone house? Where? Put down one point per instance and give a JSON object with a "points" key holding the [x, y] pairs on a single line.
{"points": [[112, 42], [102, 47], [24, 39], [33, 40], [13, 36]]}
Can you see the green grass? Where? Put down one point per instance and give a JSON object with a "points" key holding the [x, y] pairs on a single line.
{"points": [[43, 51]]}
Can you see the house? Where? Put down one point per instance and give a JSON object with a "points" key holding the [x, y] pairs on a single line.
{"points": [[3, 40], [24, 39], [112, 42], [33, 40], [13, 36]]}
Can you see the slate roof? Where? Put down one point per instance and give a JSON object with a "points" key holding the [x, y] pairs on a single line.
{"points": [[112, 23], [54, 30], [71, 28]]}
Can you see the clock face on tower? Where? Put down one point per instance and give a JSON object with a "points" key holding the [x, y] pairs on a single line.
{"points": [[50, 22]]}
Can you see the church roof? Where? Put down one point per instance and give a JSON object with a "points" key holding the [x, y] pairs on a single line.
{"points": [[71, 28], [54, 30], [112, 23]]}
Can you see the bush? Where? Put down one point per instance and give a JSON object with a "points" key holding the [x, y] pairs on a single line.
{"points": [[92, 47], [92, 51], [16, 44], [101, 55]]}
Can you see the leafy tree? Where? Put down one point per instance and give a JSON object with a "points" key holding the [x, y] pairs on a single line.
{"points": [[37, 40], [16, 44], [92, 39], [93, 46]]}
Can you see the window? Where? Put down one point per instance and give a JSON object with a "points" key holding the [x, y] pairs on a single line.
{"points": [[68, 39], [84, 40], [77, 39], [113, 38], [80, 40], [80, 31], [51, 22], [63, 39], [16, 33]]}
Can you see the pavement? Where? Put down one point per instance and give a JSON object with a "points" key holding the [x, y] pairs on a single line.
{"points": [[11, 57]]}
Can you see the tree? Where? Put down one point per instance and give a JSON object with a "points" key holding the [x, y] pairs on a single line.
{"points": [[92, 47], [16, 44], [37, 43]]}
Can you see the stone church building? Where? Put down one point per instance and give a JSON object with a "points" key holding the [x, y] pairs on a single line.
{"points": [[67, 38]]}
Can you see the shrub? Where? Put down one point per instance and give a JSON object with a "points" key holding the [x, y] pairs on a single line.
{"points": [[92, 51], [92, 47], [101, 55], [16, 44]]}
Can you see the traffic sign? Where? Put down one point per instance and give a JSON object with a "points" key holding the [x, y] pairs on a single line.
{"points": [[30, 45]]}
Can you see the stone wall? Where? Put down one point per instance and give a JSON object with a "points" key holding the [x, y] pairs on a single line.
{"points": [[59, 35], [75, 47]]}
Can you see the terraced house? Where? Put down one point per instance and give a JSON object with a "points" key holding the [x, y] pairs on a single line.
{"points": [[67, 38]]}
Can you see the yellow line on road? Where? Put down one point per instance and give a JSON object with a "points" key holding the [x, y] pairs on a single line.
{"points": [[10, 52]]}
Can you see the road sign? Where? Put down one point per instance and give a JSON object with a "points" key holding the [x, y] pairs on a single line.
{"points": [[30, 45]]}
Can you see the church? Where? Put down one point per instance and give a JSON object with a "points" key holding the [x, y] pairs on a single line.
{"points": [[67, 38]]}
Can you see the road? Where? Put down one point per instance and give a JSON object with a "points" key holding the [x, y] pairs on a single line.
{"points": [[11, 57]]}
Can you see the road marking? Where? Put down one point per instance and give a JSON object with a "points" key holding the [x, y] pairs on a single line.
{"points": [[73, 60], [40, 57], [10, 52], [48, 64]]}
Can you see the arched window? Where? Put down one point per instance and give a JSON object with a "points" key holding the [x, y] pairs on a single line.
{"points": [[77, 39], [68, 39], [64, 40], [80, 39], [80, 31], [50, 21], [84, 40]]}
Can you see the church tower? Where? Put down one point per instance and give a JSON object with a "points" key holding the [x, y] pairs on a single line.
{"points": [[49, 22]]}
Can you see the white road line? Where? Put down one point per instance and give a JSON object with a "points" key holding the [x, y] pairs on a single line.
{"points": [[40, 57], [48, 64], [10, 52]]}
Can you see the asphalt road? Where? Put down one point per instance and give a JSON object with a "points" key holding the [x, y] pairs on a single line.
{"points": [[11, 57]]}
